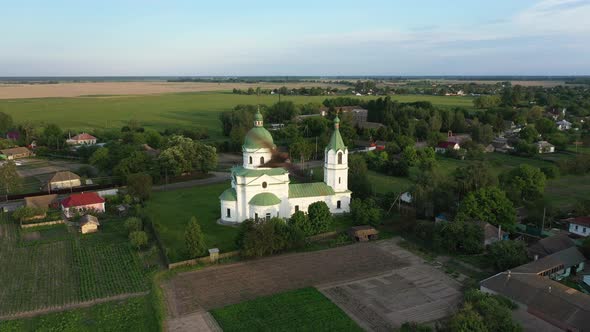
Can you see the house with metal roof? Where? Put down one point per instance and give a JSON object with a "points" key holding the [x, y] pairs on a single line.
{"points": [[533, 287], [63, 179], [259, 189]]}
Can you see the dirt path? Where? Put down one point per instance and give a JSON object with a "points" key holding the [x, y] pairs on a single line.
{"points": [[33, 313]]}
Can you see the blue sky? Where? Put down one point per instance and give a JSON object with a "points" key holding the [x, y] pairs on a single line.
{"points": [[371, 37]]}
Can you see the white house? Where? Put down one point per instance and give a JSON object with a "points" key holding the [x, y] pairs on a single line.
{"points": [[563, 125], [545, 147], [579, 225], [261, 191], [63, 179]]}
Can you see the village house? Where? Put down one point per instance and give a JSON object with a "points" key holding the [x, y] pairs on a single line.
{"points": [[82, 202], [13, 135], [62, 180], [492, 234], [533, 288], [545, 147], [82, 139], [579, 225], [16, 153], [563, 125], [443, 147], [88, 224], [502, 145], [550, 245], [42, 202]]}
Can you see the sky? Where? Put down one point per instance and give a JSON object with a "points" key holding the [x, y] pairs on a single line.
{"points": [[289, 38]]}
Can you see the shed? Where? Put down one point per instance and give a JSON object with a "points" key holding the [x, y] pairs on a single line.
{"points": [[89, 224], [363, 233]]}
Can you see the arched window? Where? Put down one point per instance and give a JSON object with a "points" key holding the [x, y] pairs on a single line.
{"points": [[264, 185], [339, 178], [339, 157], [250, 160], [261, 160]]}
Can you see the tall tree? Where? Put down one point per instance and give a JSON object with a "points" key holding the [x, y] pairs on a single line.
{"points": [[488, 204], [194, 239], [6, 122], [10, 181]]}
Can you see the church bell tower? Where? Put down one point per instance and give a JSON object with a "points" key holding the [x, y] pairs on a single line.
{"points": [[336, 161]]}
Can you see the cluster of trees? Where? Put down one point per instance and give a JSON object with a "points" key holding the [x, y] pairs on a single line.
{"points": [[10, 181], [137, 236]]}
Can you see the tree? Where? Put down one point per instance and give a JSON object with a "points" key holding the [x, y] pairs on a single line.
{"points": [[545, 126], [133, 224], [365, 212], [320, 217], [300, 220], [507, 254], [184, 155], [139, 185], [194, 239], [266, 237], [6, 122], [10, 181], [488, 204], [301, 149], [529, 134], [101, 159], [410, 155], [459, 236], [52, 136], [138, 239], [524, 183], [358, 179], [486, 101], [25, 212], [473, 177], [585, 248], [281, 112], [467, 320]]}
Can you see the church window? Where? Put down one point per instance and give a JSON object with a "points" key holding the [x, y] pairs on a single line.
{"points": [[339, 157], [296, 208], [267, 216], [339, 180], [264, 185], [338, 206], [250, 160], [229, 213], [255, 216], [261, 160]]}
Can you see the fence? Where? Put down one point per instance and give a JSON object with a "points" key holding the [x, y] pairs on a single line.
{"points": [[45, 223]]}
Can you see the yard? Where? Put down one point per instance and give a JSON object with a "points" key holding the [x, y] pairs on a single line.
{"points": [[172, 210], [134, 314], [160, 111], [57, 266], [301, 310]]}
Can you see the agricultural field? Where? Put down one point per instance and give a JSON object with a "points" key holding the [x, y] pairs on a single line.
{"points": [[55, 266], [172, 210], [133, 314], [172, 110], [301, 310]]}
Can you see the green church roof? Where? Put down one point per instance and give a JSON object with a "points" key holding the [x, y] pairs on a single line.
{"points": [[265, 199], [336, 142], [229, 195], [297, 190], [242, 171], [257, 138]]}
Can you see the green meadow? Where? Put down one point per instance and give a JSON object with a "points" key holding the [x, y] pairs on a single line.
{"points": [[161, 111]]}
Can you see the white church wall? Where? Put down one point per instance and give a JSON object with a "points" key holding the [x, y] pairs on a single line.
{"points": [[255, 155], [234, 213]]}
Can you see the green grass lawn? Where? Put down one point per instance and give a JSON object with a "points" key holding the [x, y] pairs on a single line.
{"points": [[134, 314], [382, 183], [564, 191], [301, 310], [160, 111], [171, 211]]}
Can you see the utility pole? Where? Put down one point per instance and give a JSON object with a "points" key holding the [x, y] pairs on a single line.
{"points": [[543, 222]]}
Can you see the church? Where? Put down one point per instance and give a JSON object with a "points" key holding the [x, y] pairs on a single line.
{"points": [[260, 191]]}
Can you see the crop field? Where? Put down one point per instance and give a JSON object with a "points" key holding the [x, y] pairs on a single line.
{"points": [[301, 310], [171, 211], [185, 110], [134, 314], [57, 271]]}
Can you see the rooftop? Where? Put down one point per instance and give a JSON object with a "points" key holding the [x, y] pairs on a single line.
{"points": [[82, 199], [264, 199], [242, 171], [315, 189], [43, 201], [64, 176], [228, 195]]}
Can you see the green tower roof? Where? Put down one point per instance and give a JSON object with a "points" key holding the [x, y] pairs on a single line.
{"points": [[229, 195], [265, 199], [336, 142], [258, 137]]}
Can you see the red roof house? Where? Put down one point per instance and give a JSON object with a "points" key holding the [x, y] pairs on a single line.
{"points": [[444, 146], [82, 138], [82, 202]]}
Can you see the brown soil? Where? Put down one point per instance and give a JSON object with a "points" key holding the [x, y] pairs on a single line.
{"points": [[114, 89]]}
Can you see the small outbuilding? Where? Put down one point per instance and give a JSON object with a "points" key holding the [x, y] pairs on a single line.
{"points": [[89, 224], [363, 233]]}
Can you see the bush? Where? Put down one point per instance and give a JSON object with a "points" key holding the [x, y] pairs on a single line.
{"points": [[266, 237], [508, 254], [365, 212], [194, 239], [138, 239], [320, 217], [551, 172], [300, 220], [24, 213], [133, 224]]}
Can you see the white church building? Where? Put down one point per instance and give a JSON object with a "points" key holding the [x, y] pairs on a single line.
{"points": [[259, 191]]}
